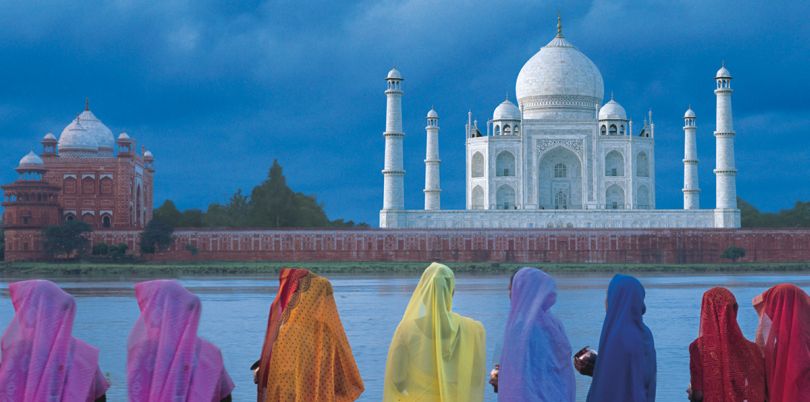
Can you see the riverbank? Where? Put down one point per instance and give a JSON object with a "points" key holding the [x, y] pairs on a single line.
{"points": [[96, 269]]}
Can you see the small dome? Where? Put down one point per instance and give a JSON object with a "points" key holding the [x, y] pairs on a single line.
{"points": [[506, 111], [148, 156], [394, 74], [49, 137], [31, 160], [690, 114], [86, 134], [612, 111], [123, 136], [432, 114], [723, 73]]}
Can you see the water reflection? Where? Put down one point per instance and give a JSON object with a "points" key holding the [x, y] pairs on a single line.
{"points": [[235, 316]]}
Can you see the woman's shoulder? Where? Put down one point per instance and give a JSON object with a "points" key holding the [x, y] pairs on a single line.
{"points": [[471, 324]]}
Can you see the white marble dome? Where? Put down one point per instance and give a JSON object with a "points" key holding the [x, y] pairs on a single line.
{"points": [[690, 114], [506, 111], [31, 159], [394, 74], [723, 73], [560, 70], [432, 114], [612, 111], [49, 137], [86, 134]]}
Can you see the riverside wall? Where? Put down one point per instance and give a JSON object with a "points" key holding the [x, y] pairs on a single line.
{"points": [[669, 246]]}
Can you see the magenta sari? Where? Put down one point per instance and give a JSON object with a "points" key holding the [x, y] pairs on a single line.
{"points": [[41, 360], [166, 360]]}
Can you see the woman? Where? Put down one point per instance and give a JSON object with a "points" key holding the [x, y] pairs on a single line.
{"points": [[784, 337], [625, 369], [436, 354], [166, 360], [725, 366], [41, 360], [535, 363], [306, 355]]}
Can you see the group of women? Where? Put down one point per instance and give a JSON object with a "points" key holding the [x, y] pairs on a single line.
{"points": [[435, 354]]}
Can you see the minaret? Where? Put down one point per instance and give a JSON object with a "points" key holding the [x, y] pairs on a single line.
{"points": [[432, 162], [691, 189], [393, 172], [725, 170]]}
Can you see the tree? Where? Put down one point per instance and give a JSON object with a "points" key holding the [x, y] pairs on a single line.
{"points": [[272, 202], [798, 216], [67, 240], [168, 214], [191, 218], [118, 251], [156, 236], [733, 253], [2, 244]]}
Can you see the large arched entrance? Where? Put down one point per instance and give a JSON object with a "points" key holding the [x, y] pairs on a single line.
{"points": [[560, 185]]}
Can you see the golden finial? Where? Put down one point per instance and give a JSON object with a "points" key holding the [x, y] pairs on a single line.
{"points": [[559, 26]]}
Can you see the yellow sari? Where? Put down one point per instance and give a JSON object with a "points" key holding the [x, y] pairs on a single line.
{"points": [[436, 354]]}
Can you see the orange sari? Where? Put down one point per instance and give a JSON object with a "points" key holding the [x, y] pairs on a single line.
{"points": [[310, 358]]}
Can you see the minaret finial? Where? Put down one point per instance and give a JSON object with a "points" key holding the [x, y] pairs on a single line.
{"points": [[87, 103], [559, 26], [611, 95]]}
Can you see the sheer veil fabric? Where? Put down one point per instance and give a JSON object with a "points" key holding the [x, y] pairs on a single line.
{"points": [[784, 334], [435, 355], [166, 360], [311, 359], [625, 368], [536, 359], [725, 367], [41, 360]]}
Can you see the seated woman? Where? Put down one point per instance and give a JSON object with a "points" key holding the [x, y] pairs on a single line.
{"points": [[436, 355], [306, 355], [784, 338], [41, 360], [535, 365], [625, 369], [166, 360], [725, 366]]}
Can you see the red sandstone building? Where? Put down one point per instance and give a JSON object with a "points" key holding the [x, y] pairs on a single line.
{"points": [[85, 174]]}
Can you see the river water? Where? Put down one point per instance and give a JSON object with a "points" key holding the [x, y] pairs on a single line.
{"points": [[235, 316]]}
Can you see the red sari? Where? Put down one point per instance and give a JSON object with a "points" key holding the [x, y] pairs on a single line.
{"points": [[725, 366], [785, 342]]}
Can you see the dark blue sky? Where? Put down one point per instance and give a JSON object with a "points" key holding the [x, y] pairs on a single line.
{"points": [[217, 90]]}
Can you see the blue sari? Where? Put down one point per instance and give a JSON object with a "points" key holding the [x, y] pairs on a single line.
{"points": [[625, 368]]}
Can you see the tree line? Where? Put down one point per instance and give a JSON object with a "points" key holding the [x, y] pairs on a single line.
{"points": [[271, 204], [796, 217]]}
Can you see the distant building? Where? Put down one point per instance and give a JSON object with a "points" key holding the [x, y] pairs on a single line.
{"points": [[85, 174], [559, 158]]}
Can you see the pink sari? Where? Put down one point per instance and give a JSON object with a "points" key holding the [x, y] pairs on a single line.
{"points": [[166, 361], [41, 360]]}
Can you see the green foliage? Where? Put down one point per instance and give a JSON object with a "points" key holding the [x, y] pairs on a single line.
{"points": [[192, 249], [191, 218], [270, 204], [157, 236], [100, 249], [733, 253], [118, 251], [67, 240], [2, 244], [168, 214], [798, 216]]}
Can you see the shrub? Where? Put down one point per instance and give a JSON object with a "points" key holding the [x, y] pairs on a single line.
{"points": [[733, 253], [192, 249], [101, 249], [67, 240], [157, 236]]}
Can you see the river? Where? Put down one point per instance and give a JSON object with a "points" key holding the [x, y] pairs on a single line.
{"points": [[235, 316]]}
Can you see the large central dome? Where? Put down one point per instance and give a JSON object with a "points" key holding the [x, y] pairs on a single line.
{"points": [[560, 78], [86, 135]]}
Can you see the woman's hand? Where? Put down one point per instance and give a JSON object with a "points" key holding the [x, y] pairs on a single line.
{"points": [[584, 361], [694, 396], [255, 369], [493, 377]]}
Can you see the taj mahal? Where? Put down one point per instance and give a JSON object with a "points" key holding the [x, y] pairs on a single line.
{"points": [[560, 158]]}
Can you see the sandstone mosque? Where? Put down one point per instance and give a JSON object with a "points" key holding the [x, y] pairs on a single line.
{"points": [[560, 158], [78, 176]]}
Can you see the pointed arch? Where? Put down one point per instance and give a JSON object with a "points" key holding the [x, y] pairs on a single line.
{"points": [[478, 198], [614, 197], [505, 164], [477, 165], [614, 164], [505, 197]]}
